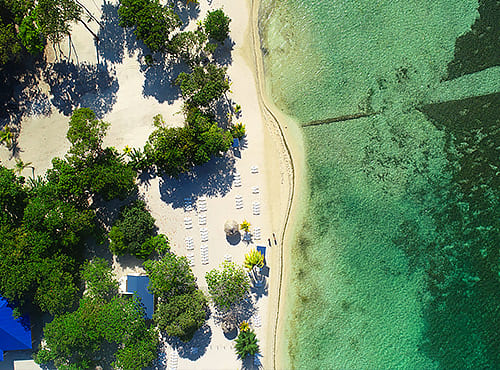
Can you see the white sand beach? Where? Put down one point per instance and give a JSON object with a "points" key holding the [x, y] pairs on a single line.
{"points": [[129, 98]]}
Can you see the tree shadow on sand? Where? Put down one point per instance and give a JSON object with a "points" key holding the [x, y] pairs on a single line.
{"points": [[196, 347], [240, 312], [186, 12], [159, 80], [111, 44], [84, 85], [212, 179], [20, 95], [223, 53]]}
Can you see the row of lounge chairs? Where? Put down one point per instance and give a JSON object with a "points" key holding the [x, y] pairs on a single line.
{"points": [[237, 179], [204, 254], [202, 204], [188, 221]]}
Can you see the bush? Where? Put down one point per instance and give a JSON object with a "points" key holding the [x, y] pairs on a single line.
{"points": [[130, 232], [217, 25], [228, 286], [182, 315], [170, 276], [204, 85], [175, 150]]}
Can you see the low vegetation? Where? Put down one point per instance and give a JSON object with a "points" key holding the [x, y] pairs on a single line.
{"points": [[217, 25], [228, 286]]}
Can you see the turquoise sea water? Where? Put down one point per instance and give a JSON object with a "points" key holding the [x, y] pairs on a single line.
{"points": [[397, 261]]}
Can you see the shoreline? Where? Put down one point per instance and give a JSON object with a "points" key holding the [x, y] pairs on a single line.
{"points": [[292, 147]]}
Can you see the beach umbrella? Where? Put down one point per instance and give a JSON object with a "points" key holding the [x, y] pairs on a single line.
{"points": [[231, 227]]}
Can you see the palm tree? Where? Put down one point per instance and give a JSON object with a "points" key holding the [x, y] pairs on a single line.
{"points": [[244, 326], [36, 182], [245, 226], [138, 159], [246, 343], [20, 166], [6, 136], [253, 258], [127, 150]]}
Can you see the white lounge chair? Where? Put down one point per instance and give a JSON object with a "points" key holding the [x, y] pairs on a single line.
{"points": [[228, 258], [202, 204], [173, 361], [188, 222], [190, 257], [255, 189], [254, 169], [188, 204], [202, 219], [256, 233], [257, 321], [204, 234], [239, 202], [189, 243], [256, 208]]}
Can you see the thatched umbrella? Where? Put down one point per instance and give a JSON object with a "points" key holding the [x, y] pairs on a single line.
{"points": [[231, 227]]}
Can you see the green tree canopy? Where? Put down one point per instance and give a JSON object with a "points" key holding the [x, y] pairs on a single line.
{"points": [[63, 221], [217, 25], [227, 286], [133, 228], [182, 308], [10, 44], [30, 35], [158, 243], [86, 133], [204, 85], [53, 17], [100, 280], [13, 197], [110, 176], [170, 276], [182, 315], [175, 150], [100, 333], [33, 274], [77, 180], [191, 46], [153, 22]]}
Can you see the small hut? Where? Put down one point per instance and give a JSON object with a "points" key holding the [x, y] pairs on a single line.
{"points": [[231, 228]]}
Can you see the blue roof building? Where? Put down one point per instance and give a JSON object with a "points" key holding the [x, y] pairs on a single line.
{"points": [[138, 284], [15, 334]]}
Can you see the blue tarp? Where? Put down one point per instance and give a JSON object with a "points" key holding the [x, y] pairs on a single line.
{"points": [[236, 143], [14, 334], [139, 285], [262, 250]]}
